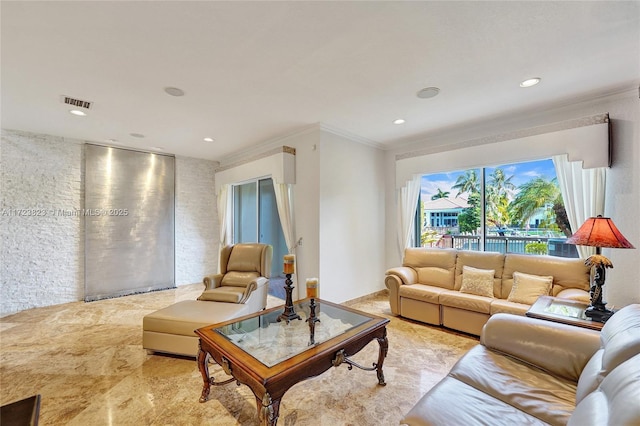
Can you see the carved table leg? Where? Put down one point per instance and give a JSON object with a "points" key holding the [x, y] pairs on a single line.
{"points": [[382, 354], [204, 371], [268, 410]]}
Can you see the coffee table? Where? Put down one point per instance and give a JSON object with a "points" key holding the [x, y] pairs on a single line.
{"points": [[270, 356]]}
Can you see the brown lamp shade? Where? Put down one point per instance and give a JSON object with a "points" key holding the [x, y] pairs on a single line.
{"points": [[599, 232]]}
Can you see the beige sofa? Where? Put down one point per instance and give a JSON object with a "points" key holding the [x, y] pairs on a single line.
{"points": [[535, 372], [427, 287], [240, 289]]}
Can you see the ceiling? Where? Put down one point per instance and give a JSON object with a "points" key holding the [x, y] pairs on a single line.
{"points": [[254, 71]]}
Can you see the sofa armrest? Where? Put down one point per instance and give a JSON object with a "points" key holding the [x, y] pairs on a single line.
{"points": [[560, 349], [212, 281], [394, 278], [406, 274]]}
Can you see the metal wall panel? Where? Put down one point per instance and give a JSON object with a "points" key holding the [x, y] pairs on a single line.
{"points": [[129, 222]]}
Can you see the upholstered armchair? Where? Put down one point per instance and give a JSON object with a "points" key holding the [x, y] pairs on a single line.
{"points": [[244, 276]]}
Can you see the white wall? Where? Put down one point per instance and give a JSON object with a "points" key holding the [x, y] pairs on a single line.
{"points": [[42, 257], [339, 211], [197, 237], [352, 214], [623, 183]]}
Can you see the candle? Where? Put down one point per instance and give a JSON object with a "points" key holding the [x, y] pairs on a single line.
{"points": [[289, 263], [312, 288]]}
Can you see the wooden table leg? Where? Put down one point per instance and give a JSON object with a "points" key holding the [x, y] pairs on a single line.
{"points": [[382, 354], [204, 371], [268, 410]]}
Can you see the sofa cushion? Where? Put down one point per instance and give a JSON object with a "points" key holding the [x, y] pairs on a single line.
{"points": [[184, 317], [238, 279], [615, 402], [454, 403], [426, 293], [480, 260], [620, 342], [477, 281], [469, 302], [223, 294], [434, 266], [566, 273], [527, 288], [525, 387], [504, 306]]}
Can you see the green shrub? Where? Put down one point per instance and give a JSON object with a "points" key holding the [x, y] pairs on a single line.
{"points": [[536, 248]]}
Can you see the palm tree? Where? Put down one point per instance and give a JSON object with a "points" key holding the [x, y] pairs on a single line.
{"points": [[533, 196], [467, 183], [499, 193], [440, 194]]}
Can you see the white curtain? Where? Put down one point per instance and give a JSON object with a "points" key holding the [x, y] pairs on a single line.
{"points": [[224, 217], [582, 192], [284, 201], [407, 203]]}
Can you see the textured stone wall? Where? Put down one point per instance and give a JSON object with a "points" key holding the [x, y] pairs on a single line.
{"points": [[42, 233], [197, 235], [42, 239]]}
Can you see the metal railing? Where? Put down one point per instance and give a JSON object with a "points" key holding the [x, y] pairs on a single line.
{"points": [[508, 244]]}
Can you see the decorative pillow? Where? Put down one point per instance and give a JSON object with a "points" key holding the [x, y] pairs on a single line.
{"points": [[477, 281], [527, 288]]}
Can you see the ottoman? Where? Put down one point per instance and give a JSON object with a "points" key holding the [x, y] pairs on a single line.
{"points": [[171, 330]]}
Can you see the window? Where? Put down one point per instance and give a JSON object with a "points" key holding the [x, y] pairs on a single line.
{"points": [[511, 208], [255, 218]]}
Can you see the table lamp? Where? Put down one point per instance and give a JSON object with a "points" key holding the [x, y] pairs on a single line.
{"points": [[598, 232]]}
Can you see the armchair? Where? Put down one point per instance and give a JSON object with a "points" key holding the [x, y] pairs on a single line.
{"points": [[239, 289], [244, 276]]}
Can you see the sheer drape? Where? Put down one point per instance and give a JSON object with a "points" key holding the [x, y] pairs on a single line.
{"points": [[582, 192], [284, 202], [224, 217], [407, 203]]}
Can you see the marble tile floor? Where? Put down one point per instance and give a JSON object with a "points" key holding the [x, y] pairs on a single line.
{"points": [[87, 362]]}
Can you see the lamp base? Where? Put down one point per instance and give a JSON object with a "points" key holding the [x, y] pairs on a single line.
{"points": [[599, 315]]}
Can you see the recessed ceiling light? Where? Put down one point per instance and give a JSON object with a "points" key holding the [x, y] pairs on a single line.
{"points": [[174, 91], [398, 121], [530, 82], [428, 92], [136, 135], [113, 141], [208, 139], [77, 112], [157, 148]]}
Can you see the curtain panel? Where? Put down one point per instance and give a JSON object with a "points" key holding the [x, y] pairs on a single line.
{"points": [[407, 202], [582, 192], [224, 216]]}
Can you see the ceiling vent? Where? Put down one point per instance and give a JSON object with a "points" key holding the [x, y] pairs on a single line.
{"points": [[78, 103]]}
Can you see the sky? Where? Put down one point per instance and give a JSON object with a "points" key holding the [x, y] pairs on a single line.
{"points": [[521, 172]]}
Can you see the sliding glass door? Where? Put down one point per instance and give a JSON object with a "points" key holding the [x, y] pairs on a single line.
{"points": [[255, 218]]}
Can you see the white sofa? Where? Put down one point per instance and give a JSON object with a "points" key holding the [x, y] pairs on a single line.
{"points": [[427, 287], [534, 372]]}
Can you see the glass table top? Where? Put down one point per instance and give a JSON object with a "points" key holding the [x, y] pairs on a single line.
{"points": [[272, 342]]}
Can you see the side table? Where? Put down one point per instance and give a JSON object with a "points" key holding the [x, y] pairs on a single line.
{"points": [[564, 311]]}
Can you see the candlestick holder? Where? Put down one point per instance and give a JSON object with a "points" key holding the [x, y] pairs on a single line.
{"points": [[289, 313], [312, 320]]}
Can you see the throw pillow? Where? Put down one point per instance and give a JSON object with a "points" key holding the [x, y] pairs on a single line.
{"points": [[527, 288], [477, 281]]}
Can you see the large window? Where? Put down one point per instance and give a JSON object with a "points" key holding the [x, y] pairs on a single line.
{"points": [[511, 208], [255, 218]]}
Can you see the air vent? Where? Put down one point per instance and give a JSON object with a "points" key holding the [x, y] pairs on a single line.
{"points": [[79, 103]]}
